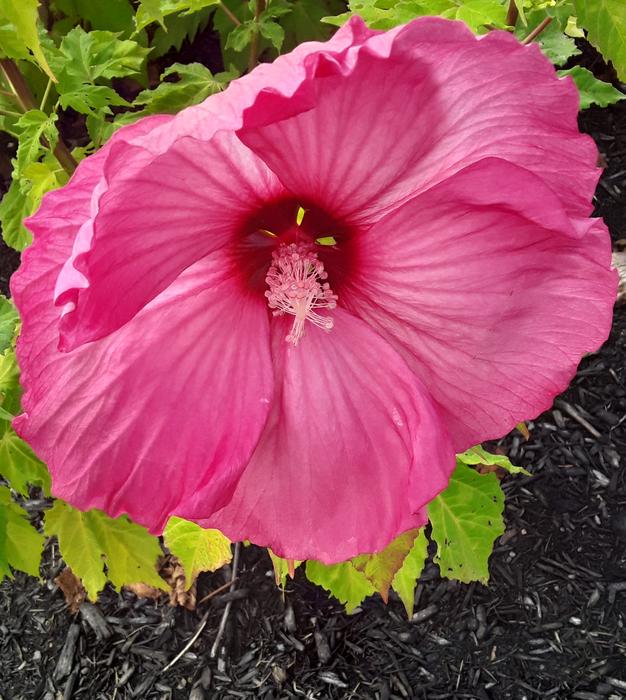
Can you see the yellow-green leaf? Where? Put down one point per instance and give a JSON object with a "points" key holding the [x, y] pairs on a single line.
{"points": [[24, 15], [478, 455], [380, 568], [197, 548], [89, 540], [405, 580]]}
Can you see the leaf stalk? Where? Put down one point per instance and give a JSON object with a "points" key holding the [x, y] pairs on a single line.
{"points": [[25, 99]]}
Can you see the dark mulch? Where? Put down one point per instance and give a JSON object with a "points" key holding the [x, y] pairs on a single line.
{"points": [[548, 625]]}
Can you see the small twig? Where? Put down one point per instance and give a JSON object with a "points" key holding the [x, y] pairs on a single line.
{"points": [[189, 644], [254, 44], [231, 15], [573, 413], [537, 31], [222, 627], [217, 591], [26, 101], [512, 14]]}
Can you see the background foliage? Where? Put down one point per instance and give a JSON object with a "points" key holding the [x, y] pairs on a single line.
{"points": [[99, 65]]}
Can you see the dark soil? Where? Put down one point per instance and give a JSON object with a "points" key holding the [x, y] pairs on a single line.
{"points": [[549, 624]]}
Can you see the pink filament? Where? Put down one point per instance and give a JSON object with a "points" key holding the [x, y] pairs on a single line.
{"points": [[296, 287]]}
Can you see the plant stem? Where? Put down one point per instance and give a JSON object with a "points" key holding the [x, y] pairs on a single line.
{"points": [[26, 101], [231, 16], [254, 44], [512, 14], [233, 579], [537, 30], [45, 95]]}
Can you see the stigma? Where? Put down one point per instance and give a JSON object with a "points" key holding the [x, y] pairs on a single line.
{"points": [[296, 286]]}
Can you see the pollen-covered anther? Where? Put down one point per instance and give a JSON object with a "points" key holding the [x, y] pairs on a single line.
{"points": [[297, 287]]}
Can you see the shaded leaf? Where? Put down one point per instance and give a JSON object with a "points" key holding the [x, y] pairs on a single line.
{"points": [[466, 519], [20, 544], [592, 91], [156, 10], [197, 548], [88, 540], [195, 83], [14, 207], [348, 585]]}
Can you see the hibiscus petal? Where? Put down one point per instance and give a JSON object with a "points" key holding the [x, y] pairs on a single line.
{"points": [[352, 450], [369, 128], [147, 421], [492, 308], [124, 193], [150, 225]]}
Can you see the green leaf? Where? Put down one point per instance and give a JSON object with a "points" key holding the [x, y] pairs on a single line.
{"points": [[24, 196], [405, 580], [176, 29], [241, 36], [272, 31], [379, 14], [10, 111], [112, 15], [466, 519], [14, 207], [381, 568], [477, 14], [605, 22], [8, 322], [24, 15], [197, 548], [195, 83], [20, 544], [304, 22], [84, 58], [19, 465], [88, 540], [32, 126], [156, 10], [592, 91], [348, 585], [478, 455]]}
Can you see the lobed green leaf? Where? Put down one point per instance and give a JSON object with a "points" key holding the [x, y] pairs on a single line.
{"points": [[466, 519], [20, 544], [88, 540], [605, 22]]}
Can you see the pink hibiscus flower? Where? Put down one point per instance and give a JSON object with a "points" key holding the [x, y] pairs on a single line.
{"points": [[192, 345]]}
